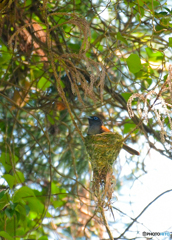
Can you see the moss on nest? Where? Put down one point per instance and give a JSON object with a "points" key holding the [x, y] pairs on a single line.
{"points": [[103, 150]]}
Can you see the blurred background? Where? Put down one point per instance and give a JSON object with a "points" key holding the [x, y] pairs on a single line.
{"points": [[62, 61]]}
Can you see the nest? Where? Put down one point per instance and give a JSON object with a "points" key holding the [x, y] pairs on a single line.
{"points": [[103, 150]]}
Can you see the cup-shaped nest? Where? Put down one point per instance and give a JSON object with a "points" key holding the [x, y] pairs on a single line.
{"points": [[103, 150]]}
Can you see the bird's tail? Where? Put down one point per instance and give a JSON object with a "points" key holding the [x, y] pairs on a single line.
{"points": [[130, 150]]}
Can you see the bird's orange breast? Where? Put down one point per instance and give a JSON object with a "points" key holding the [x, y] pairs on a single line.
{"points": [[104, 129]]}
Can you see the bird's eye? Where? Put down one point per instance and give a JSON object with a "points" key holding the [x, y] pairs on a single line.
{"points": [[95, 118]]}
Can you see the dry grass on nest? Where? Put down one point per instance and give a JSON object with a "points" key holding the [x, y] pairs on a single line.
{"points": [[103, 150]]}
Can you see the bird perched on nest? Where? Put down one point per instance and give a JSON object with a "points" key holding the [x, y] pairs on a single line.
{"points": [[96, 127]]}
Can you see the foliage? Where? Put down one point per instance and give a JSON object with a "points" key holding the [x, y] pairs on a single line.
{"points": [[60, 62]]}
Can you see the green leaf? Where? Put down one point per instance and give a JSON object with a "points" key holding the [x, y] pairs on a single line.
{"points": [[60, 195], [27, 194], [168, 10], [63, 193], [9, 212], [153, 4], [54, 188], [121, 38], [7, 160], [58, 203], [170, 41], [20, 231], [97, 39], [50, 119], [165, 77], [5, 58], [19, 177], [35, 205], [43, 238], [27, 209], [2, 125], [128, 127], [48, 215], [2, 194], [4, 201], [134, 63], [159, 27], [141, 3], [21, 209], [160, 14], [6, 235], [154, 56], [146, 83], [139, 11], [62, 84], [43, 83], [32, 237], [74, 47], [126, 95], [9, 179], [23, 192]]}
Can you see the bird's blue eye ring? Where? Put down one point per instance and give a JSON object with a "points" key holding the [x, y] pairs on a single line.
{"points": [[95, 118]]}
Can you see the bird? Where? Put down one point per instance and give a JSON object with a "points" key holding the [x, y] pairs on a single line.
{"points": [[96, 127]]}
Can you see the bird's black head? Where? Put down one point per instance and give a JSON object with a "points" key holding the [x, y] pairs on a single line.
{"points": [[95, 124], [95, 119]]}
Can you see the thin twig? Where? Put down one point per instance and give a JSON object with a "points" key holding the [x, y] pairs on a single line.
{"points": [[135, 219], [106, 224]]}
